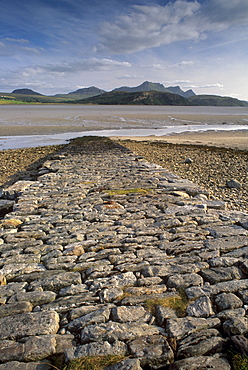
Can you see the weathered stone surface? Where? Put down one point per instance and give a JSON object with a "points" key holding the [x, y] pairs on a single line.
{"points": [[204, 342], [113, 331], [25, 324], [226, 244], [96, 349], [117, 281], [12, 288], [35, 298], [224, 315], [172, 269], [163, 313], [110, 295], [15, 365], [129, 314], [184, 280], [184, 326], [33, 349], [13, 270], [127, 364], [201, 307], [73, 290], [15, 308], [225, 301], [223, 231], [201, 363], [244, 267], [216, 275], [67, 303], [152, 350], [244, 296], [142, 299], [236, 326], [57, 282], [95, 317], [227, 287]]}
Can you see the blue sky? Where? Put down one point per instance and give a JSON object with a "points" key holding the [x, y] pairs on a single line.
{"points": [[58, 46]]}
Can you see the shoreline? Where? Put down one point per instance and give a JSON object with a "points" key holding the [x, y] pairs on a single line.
{"points": [[217, 139], [234, 138]]}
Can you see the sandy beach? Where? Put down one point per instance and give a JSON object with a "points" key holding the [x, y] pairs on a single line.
{"points": [[221, 139]]}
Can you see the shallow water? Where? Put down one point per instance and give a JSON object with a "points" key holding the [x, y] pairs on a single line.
{"points": [[37, 125]]}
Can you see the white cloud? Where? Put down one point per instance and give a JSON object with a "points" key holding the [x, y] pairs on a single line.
{"points": [[152, 26], [12, 47], [177, 82], [212, 85], [72, 68], [128, 77], [19, 41], [91, 65], [184, 63]]}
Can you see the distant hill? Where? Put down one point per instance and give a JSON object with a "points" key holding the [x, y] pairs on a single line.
{"points": [[25, 92], [145, 86], [153, 86], [177, 90], [136, 98], [217, 101], [86, 92]]}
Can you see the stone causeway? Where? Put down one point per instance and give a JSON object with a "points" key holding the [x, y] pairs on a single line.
{"points": [[105, 253]]}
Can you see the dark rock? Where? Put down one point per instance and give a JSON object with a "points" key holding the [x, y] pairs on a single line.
{"points": [[204, 342], [241, 343], [236, 326], [233, 184], [152, 350], [225, 301]]}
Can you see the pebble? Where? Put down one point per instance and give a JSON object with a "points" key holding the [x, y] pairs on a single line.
{"points": [[95, 250]]}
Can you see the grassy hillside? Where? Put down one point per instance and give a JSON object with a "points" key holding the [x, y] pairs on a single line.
{"points": [[136, 98], [12, 98], [218, 101]]}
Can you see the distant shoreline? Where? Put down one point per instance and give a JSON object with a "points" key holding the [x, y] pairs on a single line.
{"points": [[219, 139]]}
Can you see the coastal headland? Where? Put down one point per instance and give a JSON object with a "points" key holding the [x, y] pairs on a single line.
{"points": [[106, 256]]}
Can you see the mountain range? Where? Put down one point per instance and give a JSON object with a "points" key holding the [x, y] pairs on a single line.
{"points": [[152, 86], [148, 93], [88, 92]]}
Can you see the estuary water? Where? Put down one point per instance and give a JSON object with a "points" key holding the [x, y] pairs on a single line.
{"points": [[38, 125]]}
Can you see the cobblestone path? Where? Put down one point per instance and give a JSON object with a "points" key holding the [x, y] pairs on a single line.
{"points": [[107, 254]]}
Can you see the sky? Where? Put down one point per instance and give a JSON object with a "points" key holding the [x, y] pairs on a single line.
{"points": [[59, 46]]}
